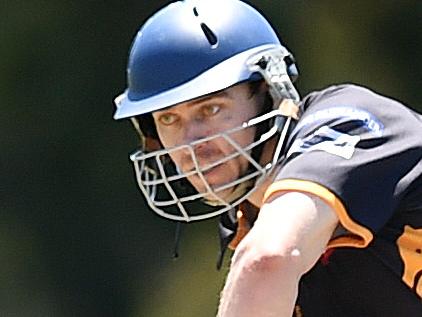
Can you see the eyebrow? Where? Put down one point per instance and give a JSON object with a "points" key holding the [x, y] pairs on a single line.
{"points": [[220, 94], [195, 102]]}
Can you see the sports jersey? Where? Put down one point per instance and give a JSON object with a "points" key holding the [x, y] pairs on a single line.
{"points": [[361, 153]]}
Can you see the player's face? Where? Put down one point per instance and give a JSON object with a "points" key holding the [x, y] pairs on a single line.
{"points": [[203, 117]]}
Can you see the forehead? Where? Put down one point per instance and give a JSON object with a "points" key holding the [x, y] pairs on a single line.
{"points": [[234, 93]]}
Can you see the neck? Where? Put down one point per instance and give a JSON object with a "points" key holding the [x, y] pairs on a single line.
{"points": [[256, 197]]}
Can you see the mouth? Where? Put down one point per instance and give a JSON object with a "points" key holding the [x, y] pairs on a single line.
{"points": [[205, 169], [210, 171]]}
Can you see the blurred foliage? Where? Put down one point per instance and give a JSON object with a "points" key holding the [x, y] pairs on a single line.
{"points": [[75, 236]]}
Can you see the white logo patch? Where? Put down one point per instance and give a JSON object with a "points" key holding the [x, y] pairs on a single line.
{"points": [[367, 120], [328, 140]]}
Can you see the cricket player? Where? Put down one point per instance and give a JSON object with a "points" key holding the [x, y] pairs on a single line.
{"points": [[320, 196]]}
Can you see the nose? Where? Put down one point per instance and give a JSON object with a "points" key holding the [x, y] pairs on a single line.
{"points": [[195, 129]]}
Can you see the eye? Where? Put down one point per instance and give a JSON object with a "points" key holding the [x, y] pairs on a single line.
{"points": [[167, 118], [210, 110]]}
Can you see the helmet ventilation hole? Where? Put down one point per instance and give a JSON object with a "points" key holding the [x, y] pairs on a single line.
{"points": [[195, 12], [211, 37]]}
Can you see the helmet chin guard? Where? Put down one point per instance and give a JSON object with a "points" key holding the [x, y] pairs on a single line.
{"points": [[165, 188]]}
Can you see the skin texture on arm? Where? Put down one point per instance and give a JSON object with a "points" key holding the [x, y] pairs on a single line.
{"points": [[289, 236]]}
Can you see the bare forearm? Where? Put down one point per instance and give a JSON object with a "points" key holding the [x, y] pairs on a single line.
{"points": [[265, 290], [287, 239]]}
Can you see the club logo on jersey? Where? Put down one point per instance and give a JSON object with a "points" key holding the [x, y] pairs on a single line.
{"points": [[328, 140], [349, 114], [410, 247]]}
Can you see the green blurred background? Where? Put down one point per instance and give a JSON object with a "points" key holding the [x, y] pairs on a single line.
{"points": [[75, 236]]}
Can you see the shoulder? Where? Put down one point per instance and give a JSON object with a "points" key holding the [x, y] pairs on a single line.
{"points": [[348, 95], [345, 103]]}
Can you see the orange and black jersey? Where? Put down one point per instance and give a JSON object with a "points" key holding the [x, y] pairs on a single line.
{"points": [[362, 154]]}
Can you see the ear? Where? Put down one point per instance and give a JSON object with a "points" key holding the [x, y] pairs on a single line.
{"points": [[263, 86], [152, 144]]}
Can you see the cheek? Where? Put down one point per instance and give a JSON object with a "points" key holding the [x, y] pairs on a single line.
{"points": [[244, 137], [167, 138], [176, 157]]}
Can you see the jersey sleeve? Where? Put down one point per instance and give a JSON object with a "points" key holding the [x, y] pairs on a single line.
{"points": [[359, 152]]}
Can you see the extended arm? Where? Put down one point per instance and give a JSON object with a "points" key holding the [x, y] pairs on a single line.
{"points": [[289, 236]]}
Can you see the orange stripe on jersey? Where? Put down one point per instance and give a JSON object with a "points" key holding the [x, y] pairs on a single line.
{"points": [[410, 247], [358, 236]]}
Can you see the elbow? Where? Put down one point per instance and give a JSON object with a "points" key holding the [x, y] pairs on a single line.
{"points": [[266, 262]]}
